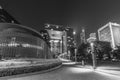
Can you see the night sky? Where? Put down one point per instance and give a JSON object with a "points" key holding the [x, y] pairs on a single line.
{"points": [[91, 14]]}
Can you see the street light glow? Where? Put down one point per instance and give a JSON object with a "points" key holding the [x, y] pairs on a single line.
{"points": [[74, 33], [79, 70], [91, 44], [92, 47]]}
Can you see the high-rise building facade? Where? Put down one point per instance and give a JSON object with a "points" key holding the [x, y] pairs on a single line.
{"points": [[61, 38], [57, 38], [110, 32]]}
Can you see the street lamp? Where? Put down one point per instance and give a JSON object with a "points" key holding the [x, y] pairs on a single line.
{"points": [[74, 33], [93, 55]]}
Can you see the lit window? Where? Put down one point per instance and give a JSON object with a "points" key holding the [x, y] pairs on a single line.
{"points": [[13, 44], [57, 27], [68, 37], [25, 45], [3, 44]]}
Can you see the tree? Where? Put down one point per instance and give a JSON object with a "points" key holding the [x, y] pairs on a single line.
{"points": [[103, 49], [115, 54], [72, 51], [82, 51]]}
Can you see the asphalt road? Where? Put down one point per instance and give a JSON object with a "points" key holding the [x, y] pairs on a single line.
{"points": [[66, 72]]}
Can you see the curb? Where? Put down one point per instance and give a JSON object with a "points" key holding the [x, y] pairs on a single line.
{"points": [[48, 70], [103, 71], [29, 69], [111, 73], [28, 74]]}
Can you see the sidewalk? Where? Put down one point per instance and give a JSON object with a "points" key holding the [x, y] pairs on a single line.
{"points": [[109, 67], [106, 67]]}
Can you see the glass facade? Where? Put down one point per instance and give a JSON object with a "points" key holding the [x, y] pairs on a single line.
{"points": [[116, 35], [105, 34], [110, 33], [20, 42]]}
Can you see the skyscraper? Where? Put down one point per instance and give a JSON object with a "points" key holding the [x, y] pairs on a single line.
{"points": [[61, 38], [58, 38], [110, 32]]}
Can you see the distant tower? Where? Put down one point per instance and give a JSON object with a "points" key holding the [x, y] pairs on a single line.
{"points": [[82, 36]]}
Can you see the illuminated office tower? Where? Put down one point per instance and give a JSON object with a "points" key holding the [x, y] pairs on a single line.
{"points": [[57, 38], [111, 33], [60, 38]]}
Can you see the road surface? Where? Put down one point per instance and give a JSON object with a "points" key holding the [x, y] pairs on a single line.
{"points": [[66, 72]]}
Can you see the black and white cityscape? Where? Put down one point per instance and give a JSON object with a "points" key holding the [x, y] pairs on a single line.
{"points": [[59, 40]]}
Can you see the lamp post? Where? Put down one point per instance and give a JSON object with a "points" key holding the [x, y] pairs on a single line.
{"points": [[93, 55], [74, 33]]}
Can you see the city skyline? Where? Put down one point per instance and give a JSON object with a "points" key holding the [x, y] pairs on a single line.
{"points": [[76, 14]]}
